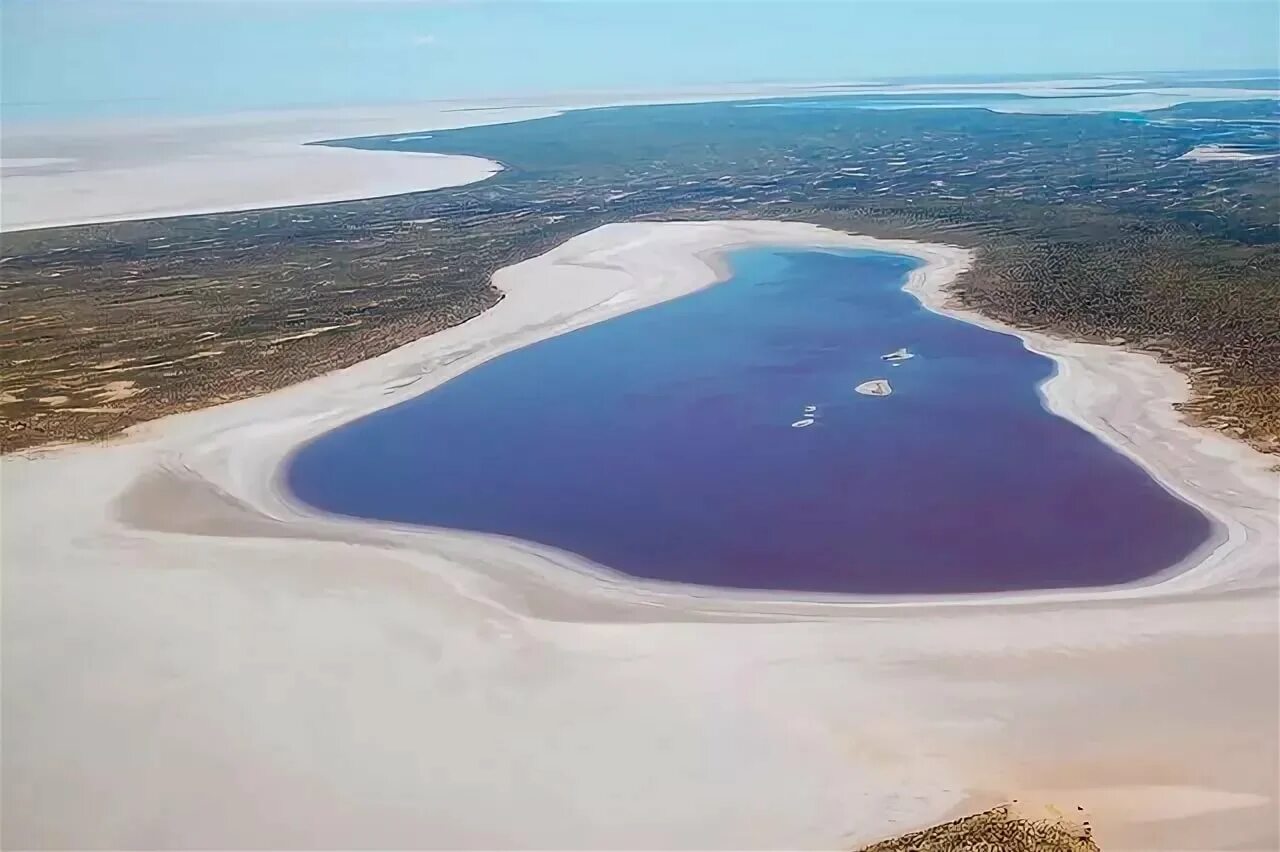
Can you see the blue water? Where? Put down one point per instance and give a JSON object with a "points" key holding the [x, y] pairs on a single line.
{"points": [[660, 444]]}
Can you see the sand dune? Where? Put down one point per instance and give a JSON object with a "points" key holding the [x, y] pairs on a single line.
{"points": [[193, 659]]}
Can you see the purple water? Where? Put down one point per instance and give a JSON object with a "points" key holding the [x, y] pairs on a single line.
{"points": [[660, 444]]}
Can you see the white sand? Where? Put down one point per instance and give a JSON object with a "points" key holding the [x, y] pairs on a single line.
{"points": [[192, 659], [65, 174], [1224, 153], [255, 176], [119, 173], [73, 173]]}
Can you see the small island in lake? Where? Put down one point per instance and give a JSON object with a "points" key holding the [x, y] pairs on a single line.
{"points": [[875, 387]]}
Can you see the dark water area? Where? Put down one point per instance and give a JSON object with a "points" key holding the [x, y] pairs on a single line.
{"points": [[661, 444]]}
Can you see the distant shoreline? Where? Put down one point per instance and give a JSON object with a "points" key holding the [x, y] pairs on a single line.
{"points": [[67, 173]]}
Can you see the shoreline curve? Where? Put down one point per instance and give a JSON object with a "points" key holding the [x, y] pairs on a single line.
{"points": [[177, 596], [1121, 397], [67, 173]]}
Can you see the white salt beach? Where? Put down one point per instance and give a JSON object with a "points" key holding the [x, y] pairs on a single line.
{"points": [[192, 657]]}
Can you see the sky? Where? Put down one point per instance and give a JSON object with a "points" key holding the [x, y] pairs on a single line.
{"points": [[106, 58]]}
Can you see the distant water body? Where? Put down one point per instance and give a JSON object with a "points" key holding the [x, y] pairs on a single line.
{"points": [[661, 444]]}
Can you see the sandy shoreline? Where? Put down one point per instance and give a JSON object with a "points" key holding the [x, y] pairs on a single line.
{"points": [[69, 173], [191, 658], [1225, 154], [80, 175]]}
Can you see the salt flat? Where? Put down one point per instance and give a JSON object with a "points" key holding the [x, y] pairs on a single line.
{"points": [[59, 173], [193, 659]]}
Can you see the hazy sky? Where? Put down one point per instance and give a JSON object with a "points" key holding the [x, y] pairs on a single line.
{"points": [[67, 57]]}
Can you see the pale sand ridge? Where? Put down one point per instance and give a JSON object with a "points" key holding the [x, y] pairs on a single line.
{"points": [[193, 659], [1225, 153]]}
